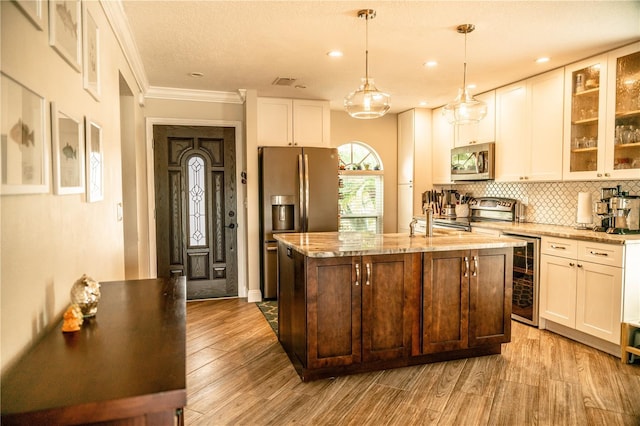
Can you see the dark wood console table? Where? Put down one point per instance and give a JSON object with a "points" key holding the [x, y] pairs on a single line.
{"points": [[125, 366]]}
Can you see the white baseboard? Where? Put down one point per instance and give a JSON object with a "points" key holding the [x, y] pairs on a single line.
{"points": [[254, 296]]}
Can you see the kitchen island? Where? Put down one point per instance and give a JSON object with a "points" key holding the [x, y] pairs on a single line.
{"points": [[356, 302]]}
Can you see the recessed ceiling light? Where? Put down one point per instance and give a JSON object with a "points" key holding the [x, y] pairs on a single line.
{"points": [[196, 74], [471, 86], [423, 103], [430, 63], [542, 60], [334, 53]]}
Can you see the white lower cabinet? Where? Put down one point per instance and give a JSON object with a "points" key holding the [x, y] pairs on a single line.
{"points": [[581, 286]]}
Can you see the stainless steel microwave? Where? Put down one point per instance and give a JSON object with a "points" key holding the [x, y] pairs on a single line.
{"points": [[473, 162]]}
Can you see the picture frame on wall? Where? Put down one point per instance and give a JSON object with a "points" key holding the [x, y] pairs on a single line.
{"points": [[65, 30], [32, 9], [24, 149], [90, 53], [67, 150], [94, 160]]}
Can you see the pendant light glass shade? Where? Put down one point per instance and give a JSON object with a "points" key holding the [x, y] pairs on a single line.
{"points": [[367, 102], [465, 109]]}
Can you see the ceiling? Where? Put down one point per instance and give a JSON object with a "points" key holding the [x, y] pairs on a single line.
{"points": [[248, 44]]}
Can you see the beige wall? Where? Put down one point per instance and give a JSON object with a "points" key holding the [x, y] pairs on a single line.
{"points": [[382, 135], [48, 241]]}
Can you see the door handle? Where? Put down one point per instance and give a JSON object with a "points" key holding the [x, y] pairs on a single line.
{"points": [[466, 267], [368, 282], [357, 274], [474, 273]]}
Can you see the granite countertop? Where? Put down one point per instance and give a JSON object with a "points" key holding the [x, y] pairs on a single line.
{"points": [[541, 229], [337, 244]]}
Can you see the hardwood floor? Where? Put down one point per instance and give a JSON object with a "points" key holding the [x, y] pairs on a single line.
{"points": [[237, 373]]}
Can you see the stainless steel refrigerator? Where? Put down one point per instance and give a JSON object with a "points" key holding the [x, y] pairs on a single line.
{"points": [[298, 193]]}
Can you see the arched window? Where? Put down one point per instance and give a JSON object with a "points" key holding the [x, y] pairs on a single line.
{"points": [[361, 188]]}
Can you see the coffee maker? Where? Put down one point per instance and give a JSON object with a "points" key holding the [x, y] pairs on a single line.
{"points": [[603, 217], [625, 210]]}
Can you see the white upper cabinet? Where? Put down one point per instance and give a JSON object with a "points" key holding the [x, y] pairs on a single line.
{"points": [[406, 146], [485, 130], [602, 117], [414, 158], [529, 125], [441, 144], [293, 122]]}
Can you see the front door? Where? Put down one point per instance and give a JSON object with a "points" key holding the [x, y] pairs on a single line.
{"points": [[196, 208]]}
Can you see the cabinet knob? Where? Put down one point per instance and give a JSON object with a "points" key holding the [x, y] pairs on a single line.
{"points": [[599, 175], [572, 264], [607, 174], [579, 265]]}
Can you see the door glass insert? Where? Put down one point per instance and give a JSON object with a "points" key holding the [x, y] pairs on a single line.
{"points": [[627, 130], [585, 99], [197, 201]]}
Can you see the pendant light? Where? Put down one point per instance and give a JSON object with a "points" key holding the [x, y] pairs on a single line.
{"points": [[367, 102], [465, 109]]}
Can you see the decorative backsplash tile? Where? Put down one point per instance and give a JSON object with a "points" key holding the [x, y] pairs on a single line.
{"points": [[546, 202]]}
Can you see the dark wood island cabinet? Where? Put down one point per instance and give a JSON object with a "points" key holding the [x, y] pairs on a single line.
{"points": [[371, 307], [125, 366]]}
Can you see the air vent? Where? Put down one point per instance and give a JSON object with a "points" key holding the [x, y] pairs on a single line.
{"points": [[284, 81]]}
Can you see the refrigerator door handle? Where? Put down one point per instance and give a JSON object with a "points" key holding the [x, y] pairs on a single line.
{"points": [[301, 214], [306, 193]]}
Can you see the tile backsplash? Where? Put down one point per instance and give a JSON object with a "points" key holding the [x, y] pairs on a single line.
{"points": [[546, 202]]}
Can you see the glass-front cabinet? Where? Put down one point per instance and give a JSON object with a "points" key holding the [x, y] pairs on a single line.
{"points": [[602, 112], [625, 101]]}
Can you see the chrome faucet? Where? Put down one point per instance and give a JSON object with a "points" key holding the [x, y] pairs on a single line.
{"points": [[412, 227], [429, 223]]}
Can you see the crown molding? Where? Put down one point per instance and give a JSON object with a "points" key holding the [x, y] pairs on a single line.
{"points": [[120, 25], [194, 95]]}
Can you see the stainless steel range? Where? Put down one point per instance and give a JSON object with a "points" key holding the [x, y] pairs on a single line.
{"points": [[525, 259], [481, 209]]}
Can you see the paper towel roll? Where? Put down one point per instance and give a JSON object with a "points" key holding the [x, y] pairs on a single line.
{"points": [[584, 215]]}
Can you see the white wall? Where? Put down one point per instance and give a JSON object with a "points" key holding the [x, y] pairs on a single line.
{"points": [[48, 241], [382, 135]]}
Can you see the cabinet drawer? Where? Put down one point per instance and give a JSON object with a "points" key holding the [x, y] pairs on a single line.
{"points": [[603, 254], [559, 247]]}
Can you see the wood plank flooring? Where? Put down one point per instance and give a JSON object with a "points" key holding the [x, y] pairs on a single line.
{"points": [[237, 373]]}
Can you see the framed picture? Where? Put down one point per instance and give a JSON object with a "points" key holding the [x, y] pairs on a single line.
{"points": [[64, 30], [68, 153], [24, 149], [32, 9], [94, 161], [90, 53]]}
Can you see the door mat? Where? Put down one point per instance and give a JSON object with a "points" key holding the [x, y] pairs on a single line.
{"points": [[269, 309]]}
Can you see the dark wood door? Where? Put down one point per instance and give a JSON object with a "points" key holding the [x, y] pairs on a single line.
{"points": [[196, 219], [386, 283], [333, 311], [445, 301], [490, 294]]}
